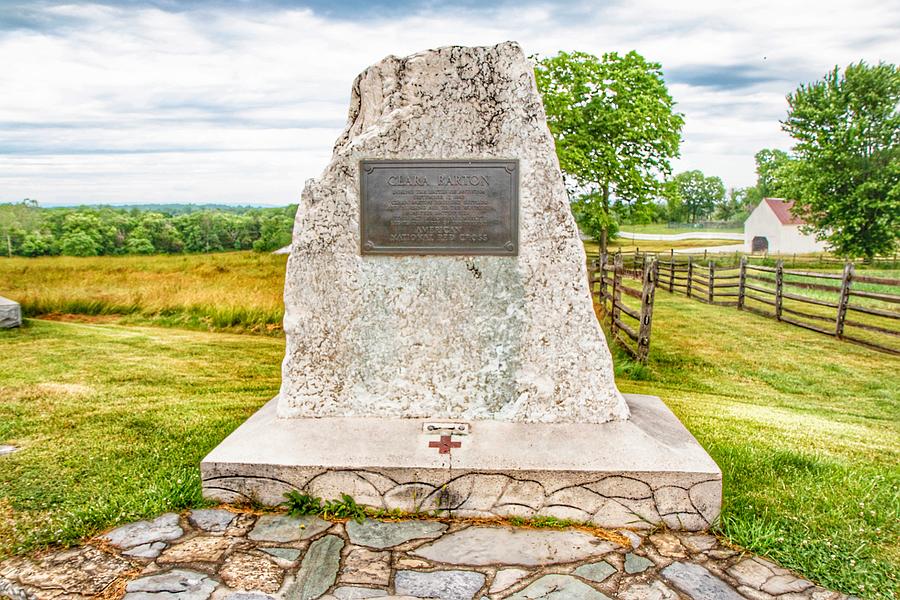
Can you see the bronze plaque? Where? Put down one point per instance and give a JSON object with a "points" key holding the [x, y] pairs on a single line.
{"points": [[439, 207]]}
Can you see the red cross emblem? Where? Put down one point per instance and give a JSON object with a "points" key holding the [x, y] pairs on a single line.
{"points": [[445, 444]]}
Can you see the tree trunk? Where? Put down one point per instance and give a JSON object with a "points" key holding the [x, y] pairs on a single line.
{"points": [[604, 234], [9, 245]]}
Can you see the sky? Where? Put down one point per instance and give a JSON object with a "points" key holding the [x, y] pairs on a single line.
{"points": [[240, 102]]}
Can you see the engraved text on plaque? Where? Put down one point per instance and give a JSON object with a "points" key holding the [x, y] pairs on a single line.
{"points": [[439, 207]]}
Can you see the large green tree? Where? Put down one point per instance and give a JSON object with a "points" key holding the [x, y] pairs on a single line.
{"points": [[693, 196], [846, 174], [615, 129], [17, 221]]}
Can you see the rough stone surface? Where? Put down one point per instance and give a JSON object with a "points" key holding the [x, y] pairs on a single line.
{"points": [[202, 548], [481, 337], [668, 545], [699, 543], [386, 534], [446, 585], [281, 528], [318, 570], [751, 572], [597, 572], [367, 567], [504, 545], [357, 593], [85, 571], [260, 570], [558, 587], [505, 578], [247, 596], [163, 528], [179, 584], [286, 554], [214, 520], [648, 591], [636, 564], [784, 584], [698, 583], [148, 551], [10, 313], [251, 572]]}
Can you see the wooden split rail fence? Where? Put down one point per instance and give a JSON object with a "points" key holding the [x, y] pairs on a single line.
{"points": [[850, 306], [629, 325]]}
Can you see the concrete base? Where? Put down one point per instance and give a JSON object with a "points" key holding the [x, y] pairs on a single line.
{"points": [[639, 473]]}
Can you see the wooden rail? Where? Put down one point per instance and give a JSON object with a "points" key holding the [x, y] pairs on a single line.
{"points": [[803, 298], [608, 285]]}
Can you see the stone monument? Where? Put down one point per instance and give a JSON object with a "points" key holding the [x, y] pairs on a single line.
{"points": [[442, 349]]}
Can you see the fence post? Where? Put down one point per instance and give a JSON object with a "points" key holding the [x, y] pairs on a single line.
{"points": [[671, 270], [690, 275], [846, 281], [779, 288], [648, 292], [616, 296], [603, 260], [742, 278], [712, 282]]}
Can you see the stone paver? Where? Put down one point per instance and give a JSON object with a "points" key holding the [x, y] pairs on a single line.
{"points": [[285, 554], [223, 555], [559, 587], [378, 534], [648, 591], [179, 583], [636, 564], [357, 593], [446, 585], [698, 583], [365, 566], [318, 570], [214, 520], [598, 572], [247, 596], [161, 529], [199, 549], [251, 572], [86, 571], [281, 528], [506, 546], [506, 577], [148, 551]]}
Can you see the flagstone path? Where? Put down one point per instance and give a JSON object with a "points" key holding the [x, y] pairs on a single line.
{"points": [[217, 554]]}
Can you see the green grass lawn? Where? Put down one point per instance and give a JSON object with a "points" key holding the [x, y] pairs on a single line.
{"points": [[114, 418], [664, 228]]}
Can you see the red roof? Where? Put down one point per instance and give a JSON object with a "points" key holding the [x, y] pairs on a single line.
{"points": [[782, 210]]}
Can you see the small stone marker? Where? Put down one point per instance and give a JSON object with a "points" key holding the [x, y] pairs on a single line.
{"points": [[10, 313]]}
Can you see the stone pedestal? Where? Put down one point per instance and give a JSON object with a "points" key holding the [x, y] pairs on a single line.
{"points": [[643, 472]]}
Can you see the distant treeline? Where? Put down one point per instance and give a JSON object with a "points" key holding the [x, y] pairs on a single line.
{"points": [[27, 229]]}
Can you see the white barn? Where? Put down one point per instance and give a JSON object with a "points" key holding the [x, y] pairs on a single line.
{"points": [[771, 228]]}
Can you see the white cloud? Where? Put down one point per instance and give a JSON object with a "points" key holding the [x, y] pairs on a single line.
{"points": [[219, 104]]}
